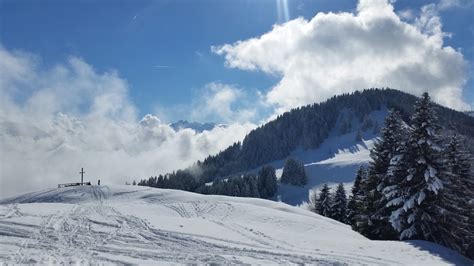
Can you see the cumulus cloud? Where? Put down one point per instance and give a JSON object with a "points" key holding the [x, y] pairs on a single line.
{"points": [[224, 103], [56, 120], [339, 53]]}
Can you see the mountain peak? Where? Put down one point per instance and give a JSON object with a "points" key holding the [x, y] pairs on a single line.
{"points": [[196, 126]]}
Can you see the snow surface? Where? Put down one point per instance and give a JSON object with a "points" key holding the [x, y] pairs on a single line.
{"points": [[335, 161], [324, 168], [131, 224]]}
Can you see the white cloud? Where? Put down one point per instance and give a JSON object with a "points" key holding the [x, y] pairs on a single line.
{"points": [[55, 121], [224, 103], [406, 14], [339, 53], [448, 4]]}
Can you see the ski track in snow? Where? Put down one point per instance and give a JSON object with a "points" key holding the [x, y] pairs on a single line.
{"points": [[129, 225]]}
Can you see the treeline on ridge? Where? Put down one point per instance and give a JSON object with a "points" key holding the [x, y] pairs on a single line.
{"points": [[304, 127]]}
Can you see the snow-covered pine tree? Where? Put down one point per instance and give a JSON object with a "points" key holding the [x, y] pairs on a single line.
{"points": [[365, 219], [417, 195], [384, 150], [457, 230], [355, 199], [339, 205], [324, 202]]}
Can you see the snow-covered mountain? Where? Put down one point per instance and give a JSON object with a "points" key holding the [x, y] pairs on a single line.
{"points": [[335, 160], [129, 224], [196, 126], [332, 139], [470, 113]]}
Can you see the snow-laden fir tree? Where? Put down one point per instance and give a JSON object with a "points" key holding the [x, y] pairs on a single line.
{"points": [[368, 207], [457, 223], [339, 205], [387, 147], [356, 198], [324, 202], [417, 196]]}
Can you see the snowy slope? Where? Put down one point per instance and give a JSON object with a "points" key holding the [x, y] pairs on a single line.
{"points": [[129, 224], [335, 160]]}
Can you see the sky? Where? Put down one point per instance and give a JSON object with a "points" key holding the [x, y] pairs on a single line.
{"points": [[94, 84]]}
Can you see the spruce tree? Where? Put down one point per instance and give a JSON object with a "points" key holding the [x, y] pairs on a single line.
{"points": [[355, 199], [457, 223], [324, 202], [271, 180], [339, 206], [267, 182], [294, 173], [417, 201], [365, 219], [378, 180], [303, 178]]}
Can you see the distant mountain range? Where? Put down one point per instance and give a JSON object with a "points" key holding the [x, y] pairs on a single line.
{"points": [[196, 126]]}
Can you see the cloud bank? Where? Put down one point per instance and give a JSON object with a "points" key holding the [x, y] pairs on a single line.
{"points": [[339, 53], [55, 120], [227, 103]]}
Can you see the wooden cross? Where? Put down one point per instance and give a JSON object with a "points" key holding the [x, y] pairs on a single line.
{"points": [[82, 176]]}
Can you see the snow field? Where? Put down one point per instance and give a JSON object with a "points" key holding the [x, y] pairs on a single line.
{"points": [[129, 224]]}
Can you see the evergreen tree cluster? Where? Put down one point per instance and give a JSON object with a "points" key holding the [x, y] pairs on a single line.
{"points": [[294, 173], [263, 185], [419, 184], [181, 179], [332, 205], [304, 127], [308, 126]]}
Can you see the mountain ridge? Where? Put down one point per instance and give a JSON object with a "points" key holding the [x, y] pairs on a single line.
{"points": [[331, 138], [312, 128]]}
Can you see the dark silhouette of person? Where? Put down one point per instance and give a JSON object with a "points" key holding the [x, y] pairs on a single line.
{"points": [[98, 182]]}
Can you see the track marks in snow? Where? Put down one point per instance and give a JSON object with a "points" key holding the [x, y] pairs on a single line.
{"points": [[126, 225], [103, 234], [9, 211], [195, 209]]}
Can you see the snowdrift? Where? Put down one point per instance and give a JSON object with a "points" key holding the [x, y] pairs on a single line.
{"points": [[130, 224]]}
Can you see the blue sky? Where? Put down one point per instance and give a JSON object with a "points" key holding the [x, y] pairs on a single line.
{"points": [[94, 84], [163, 48]]}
